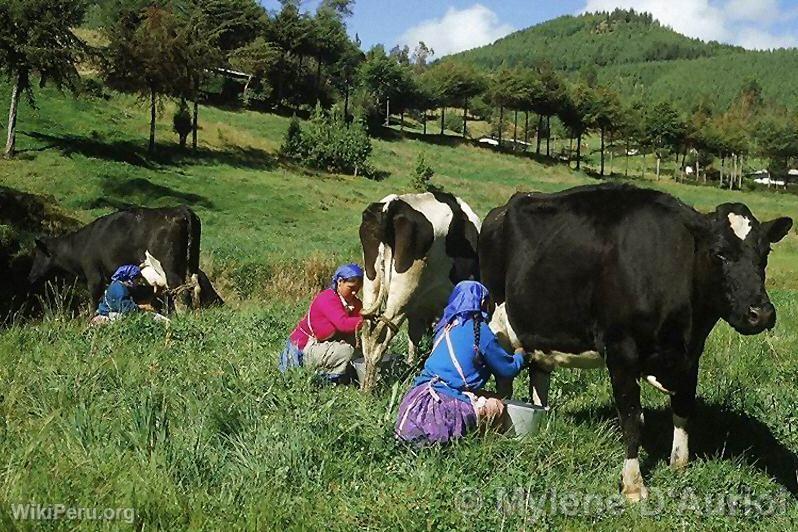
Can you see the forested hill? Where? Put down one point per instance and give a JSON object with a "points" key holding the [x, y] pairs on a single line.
{"points": [[573, 42], [631, 50]]}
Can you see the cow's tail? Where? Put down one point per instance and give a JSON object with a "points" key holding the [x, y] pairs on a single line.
{"points": [[194, 227], [384, 268]]}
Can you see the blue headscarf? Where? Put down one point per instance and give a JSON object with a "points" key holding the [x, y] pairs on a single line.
{"points": [[126, 273], [346, 271], [466, 300]]}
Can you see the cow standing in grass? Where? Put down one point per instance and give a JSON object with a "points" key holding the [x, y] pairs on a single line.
{"points": [[416, 247], [632, 279], [94, 252]]}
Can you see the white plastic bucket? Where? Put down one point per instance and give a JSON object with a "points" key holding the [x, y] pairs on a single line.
{"points": [[521, 419]]}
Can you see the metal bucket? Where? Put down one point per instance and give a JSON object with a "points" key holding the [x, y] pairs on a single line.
{"points": [[521, 419]]}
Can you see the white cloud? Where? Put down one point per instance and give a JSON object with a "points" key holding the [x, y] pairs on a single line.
{"points": [[695, 18], [756, 39], [747, 23], [457, 30], [753, 10]]}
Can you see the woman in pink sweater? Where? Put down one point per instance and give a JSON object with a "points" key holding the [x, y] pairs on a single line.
{"points": [[324, 339]]}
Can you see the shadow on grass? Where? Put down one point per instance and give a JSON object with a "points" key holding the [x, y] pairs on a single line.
{"points": [[138, 191], [24, 216], [715, 432], [452, 141], [134, 154]]}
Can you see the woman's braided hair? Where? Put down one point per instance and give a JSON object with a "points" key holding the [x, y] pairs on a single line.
{"points": [[477, 326]]}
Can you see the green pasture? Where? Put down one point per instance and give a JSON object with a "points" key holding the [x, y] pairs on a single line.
{"points": [[193, 427]]}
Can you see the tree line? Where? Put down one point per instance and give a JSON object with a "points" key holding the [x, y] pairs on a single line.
{"points": [[175, 49]]}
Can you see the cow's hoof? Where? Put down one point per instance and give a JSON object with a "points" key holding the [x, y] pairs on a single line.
{"points": [[678, 463], [635, 493], [632, 486]]}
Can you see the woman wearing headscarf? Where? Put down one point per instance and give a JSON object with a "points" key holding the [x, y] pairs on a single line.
{"points": [[117, 299], [445, 401], [324, 339]]}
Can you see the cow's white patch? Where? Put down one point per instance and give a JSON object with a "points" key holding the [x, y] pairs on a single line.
{"points": [[470, 214], [387, 201], [632, 481], [680, 451], [740, 224], [652, 380], [153, 272], [556, 359], [500, 325]]}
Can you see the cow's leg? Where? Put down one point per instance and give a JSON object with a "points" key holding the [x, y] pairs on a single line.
{"points": [[683, 407], [376, 338], [96, 284], [622, 362], [415, 332], [195, 292], [181, 302], [504, 387], [507, 338], [539, 385]]}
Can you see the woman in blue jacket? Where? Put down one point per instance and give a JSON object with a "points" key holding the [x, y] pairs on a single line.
{"points": [[117, 299], [445, 401]]}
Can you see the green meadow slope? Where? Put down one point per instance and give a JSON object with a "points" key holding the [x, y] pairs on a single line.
{"points": [[193, 427], [632, 52]]}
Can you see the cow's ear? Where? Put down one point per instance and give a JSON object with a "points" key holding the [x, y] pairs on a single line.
{"points": [[42, 247], [777, 229]]}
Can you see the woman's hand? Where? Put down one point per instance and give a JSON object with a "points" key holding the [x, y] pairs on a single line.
{"points": [[523, 353]]}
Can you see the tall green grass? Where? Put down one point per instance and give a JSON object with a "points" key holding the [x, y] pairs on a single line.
{"points": [[193, 427]]}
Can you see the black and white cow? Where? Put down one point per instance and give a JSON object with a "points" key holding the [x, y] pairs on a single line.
{"points": [[92, 253], [416, 247], [632, 279]]}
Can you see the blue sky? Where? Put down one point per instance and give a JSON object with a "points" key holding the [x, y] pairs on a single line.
{"points": [[453, 25]]}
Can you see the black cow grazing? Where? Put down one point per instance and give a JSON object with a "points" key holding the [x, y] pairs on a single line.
{"points": [[632, 279], [171, 235], [416, 247]]}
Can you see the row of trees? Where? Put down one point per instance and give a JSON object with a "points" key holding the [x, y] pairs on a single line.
{"points": [[749, 127], [161, 49]]}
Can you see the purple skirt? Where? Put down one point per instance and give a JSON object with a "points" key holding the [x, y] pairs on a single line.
{"points": [[426, 416]]}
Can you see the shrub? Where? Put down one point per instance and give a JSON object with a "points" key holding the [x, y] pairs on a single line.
{"points": [[453, 122], [363, 104], [292, 147], [422, 178], [181, 122], [93, 88], [328, 143]]}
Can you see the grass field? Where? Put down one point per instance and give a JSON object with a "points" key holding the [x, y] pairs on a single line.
{"points": [[193, 427]]}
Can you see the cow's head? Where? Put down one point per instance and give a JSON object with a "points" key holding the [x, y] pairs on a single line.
{"points": [[739, 250], [44, 262]]}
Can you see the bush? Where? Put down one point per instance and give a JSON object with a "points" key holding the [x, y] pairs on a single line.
{"points": [[93, 89], [422, 178], [328, 143], [181, 122], [292, 147], [363, 104], [453, 122]]}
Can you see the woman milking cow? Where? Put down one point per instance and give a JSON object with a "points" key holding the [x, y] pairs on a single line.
{"points": [[447, 399], [132, 289], [324, 340]]}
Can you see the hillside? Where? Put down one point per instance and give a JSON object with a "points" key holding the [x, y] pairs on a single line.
{"points": [[192, 426], [633, 51]]}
